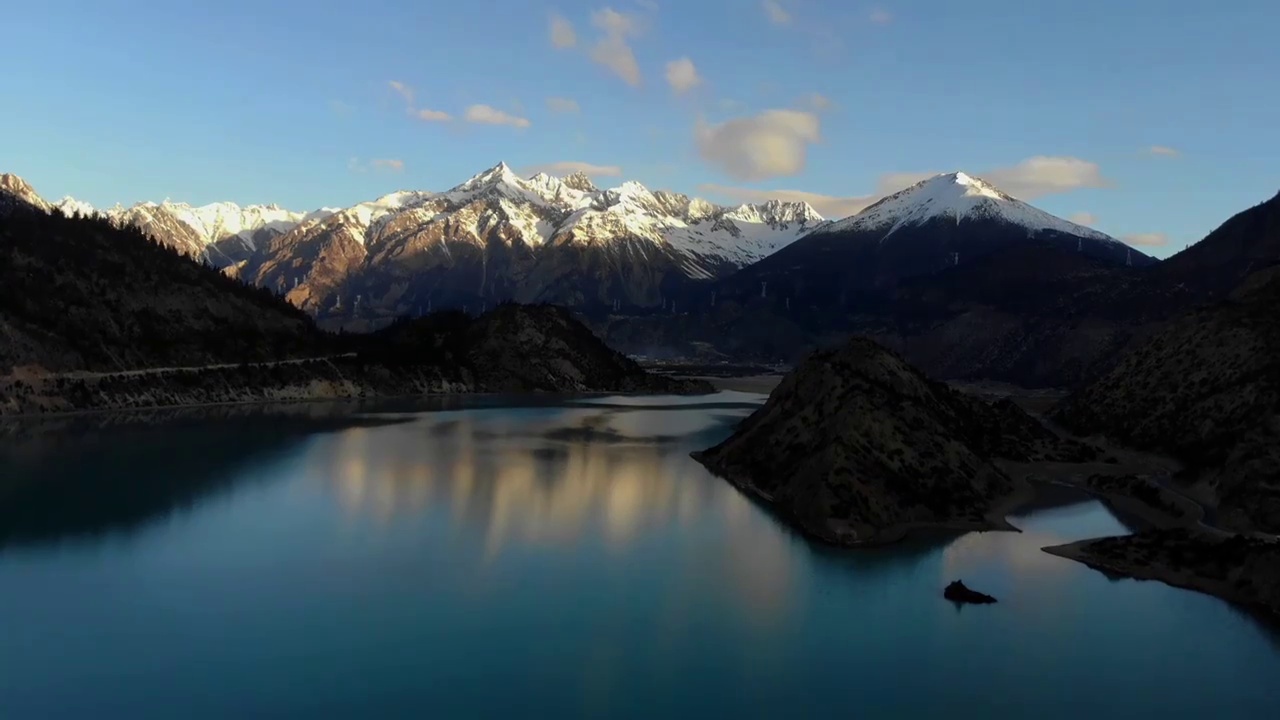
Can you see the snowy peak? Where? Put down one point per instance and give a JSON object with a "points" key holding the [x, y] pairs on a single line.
{"points": [[776, 212], [499, 174], [955, 197], [581, 182], [15, 187], [72, 206]]}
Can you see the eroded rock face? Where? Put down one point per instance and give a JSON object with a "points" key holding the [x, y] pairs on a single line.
{"points": [[856, 443]]}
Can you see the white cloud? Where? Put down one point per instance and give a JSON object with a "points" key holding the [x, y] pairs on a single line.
{"points": [[1164, 150], [340, 108], [818, 101], [407, 94], [612, 50], [432, 115], [1146, 239], [403, 90], [486, 115], [829, 206], [1038, 176], [561, 33], [1046, 175], [1084, 218], [384, 164], [880, 16], [682, 76], [771, 144], [568, 167], [562, 105], [649, 5], [777, 14]]}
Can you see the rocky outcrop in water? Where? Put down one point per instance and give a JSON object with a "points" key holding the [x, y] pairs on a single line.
{"points": [[958, 592]]}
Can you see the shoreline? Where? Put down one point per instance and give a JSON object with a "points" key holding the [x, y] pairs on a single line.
{"points": [[315, 391], [1183, 578], [994, 520]]}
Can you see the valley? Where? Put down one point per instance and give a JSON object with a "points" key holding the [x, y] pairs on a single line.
{"points": [[1075, 352]]}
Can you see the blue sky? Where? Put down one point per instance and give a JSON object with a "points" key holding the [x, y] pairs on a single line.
{"points": [[292, 102]]}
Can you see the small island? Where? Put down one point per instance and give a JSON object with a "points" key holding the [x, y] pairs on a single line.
{"points": [[958, 592]]}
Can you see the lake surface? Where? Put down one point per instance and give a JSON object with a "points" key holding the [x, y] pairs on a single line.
{"points": [[558, 560]]}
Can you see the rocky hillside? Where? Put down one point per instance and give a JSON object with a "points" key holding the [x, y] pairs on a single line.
{"points": [[1205, 388], [855, 445]]}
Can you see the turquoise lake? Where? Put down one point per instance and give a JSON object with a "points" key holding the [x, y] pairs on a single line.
{"points": [[566, 559]]}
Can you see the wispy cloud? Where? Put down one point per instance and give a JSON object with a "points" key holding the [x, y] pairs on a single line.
{"points": [[1084, 218], [561, 33], [432, 115], [1146, 239], [1163, 150], [682, 75], [407, 94], [830, 206], [649, 5], [612, 50], [378, 164], [777, 14], [340, 108], [817, 101], [773, 143], [403, 90], [568, 167], [1036, 176], [1044, 175], [880, 16], [562, 105], [486, 115]]}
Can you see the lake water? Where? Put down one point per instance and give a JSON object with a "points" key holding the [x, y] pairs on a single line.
{"points": [[560, 560]]}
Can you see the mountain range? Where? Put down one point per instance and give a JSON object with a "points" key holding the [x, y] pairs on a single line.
{"points": [[495, 237], [958, 276], [626, 249]]}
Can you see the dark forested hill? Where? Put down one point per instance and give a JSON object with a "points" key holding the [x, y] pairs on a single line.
{"points": [[98, 316], [81, 294]]}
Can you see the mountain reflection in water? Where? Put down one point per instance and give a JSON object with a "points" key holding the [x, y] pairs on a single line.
{"points": [[565, 556], [559, 479]]}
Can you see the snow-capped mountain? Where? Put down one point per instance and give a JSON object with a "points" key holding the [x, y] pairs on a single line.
{"points": [[500, 236], [955, 197], [495, 236], [937, 223], [15, 190], [223, 232]]}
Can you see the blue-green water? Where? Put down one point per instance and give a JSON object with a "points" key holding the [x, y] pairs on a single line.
{"points": [[552, 561]]}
